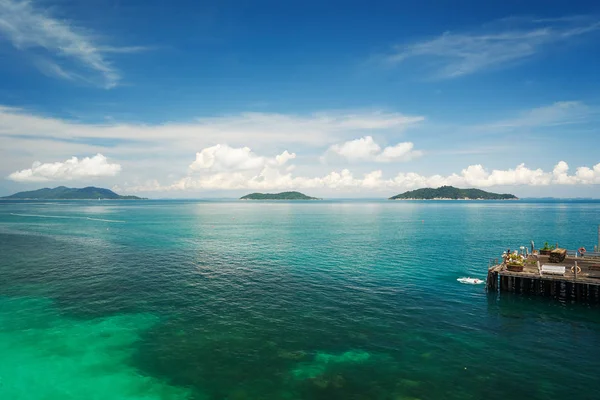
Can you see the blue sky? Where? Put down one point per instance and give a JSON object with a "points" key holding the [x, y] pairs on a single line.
{"points": [[339, 99]]}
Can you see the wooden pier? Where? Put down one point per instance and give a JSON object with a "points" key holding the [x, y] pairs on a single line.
{"points": [[580, 281]]}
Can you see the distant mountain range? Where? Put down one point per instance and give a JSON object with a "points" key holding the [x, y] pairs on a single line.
{"points": [[451, 193], [65, 193], [278, 196]]}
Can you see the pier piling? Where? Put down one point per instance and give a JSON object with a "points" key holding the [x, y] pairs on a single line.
{"points": [[579, 282]]}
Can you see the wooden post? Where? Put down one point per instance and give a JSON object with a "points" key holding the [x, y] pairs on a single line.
{"points": [[575, 269], [492, 279], [539, 267]]}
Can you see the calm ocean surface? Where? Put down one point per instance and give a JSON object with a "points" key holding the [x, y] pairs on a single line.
{"points": [[285, 300]]}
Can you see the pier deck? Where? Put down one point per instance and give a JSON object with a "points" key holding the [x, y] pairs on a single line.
{"points": [[584, 285]]}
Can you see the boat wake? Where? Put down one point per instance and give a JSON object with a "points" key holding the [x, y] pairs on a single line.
{"points": [[470, 281], [66, 217]]}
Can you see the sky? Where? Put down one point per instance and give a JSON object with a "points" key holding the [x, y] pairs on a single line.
{"points": [[187, 99]]}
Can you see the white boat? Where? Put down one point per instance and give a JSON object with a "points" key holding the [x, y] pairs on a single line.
{"points": [[470, 281]]}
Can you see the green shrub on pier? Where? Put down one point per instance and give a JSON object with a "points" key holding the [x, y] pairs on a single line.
{"points": [[547, 247]]}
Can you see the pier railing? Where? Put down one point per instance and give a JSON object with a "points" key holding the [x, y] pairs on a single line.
{"points": [[570, 253], [575, 253], [492, 262]]}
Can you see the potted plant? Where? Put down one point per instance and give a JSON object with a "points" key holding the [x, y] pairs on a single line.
{"points": [[547, 249], [515, 262]]}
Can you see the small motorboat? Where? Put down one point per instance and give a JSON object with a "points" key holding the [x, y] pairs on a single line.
{"points": [[470, 281]]}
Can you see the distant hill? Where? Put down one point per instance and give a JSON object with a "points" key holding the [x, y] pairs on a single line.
{"points": [[451, 193], [65, 193], [278, 196]]}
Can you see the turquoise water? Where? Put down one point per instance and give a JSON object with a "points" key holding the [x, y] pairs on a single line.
{"points": [[303, 300]]}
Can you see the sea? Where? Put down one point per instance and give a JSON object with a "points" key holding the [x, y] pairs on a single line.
{"points": [[332, 299]]}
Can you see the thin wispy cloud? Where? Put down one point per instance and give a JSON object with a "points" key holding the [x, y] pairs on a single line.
{"points": [[556, 114], [265, 129], [59, 48], [500, 44]]}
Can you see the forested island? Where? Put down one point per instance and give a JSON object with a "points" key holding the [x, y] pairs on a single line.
{"points": [[452, 193], [278, 196], [65, 193]]}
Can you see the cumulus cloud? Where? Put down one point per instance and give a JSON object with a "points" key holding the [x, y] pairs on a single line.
{"points": [[588, 175], [400, 152], [359, 149], [225, 158], [222, 167], [478, 176], [366, 149], [71, 169], [284, 157], [222, 157], [234, 166], [154, 151]]}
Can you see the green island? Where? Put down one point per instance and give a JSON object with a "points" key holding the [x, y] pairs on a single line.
{"points": [[278, 196], [452, 193], [65, 193]]}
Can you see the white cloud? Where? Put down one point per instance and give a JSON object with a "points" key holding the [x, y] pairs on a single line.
{"points": [[284, 157], [225, 158], [263, 129], [222, 157], [31, 28], [560, 174], [71, 169], [222, 167], [400, 152], [500, 43], [366, 149], [161, 151], [558, 113], [156, 157], [355, 150], [588, 175], [478, 176]]}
